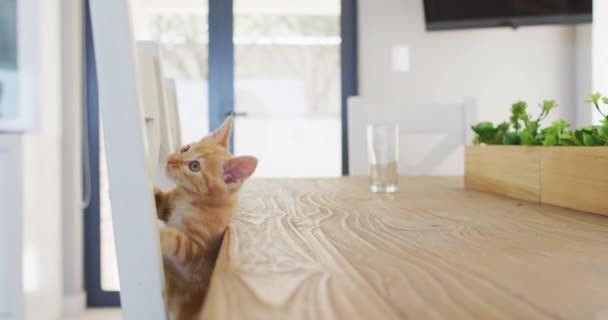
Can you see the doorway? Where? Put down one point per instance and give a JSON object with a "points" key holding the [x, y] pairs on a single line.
{"points": [[283, 68]]}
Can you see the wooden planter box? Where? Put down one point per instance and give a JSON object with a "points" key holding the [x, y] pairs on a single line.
{"points": [[511, 171], [570, 177]]}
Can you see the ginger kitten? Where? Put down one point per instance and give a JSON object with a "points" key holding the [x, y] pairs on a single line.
{"points": [[196, 214]]}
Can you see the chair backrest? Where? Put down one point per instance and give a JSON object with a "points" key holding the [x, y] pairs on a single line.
{"points": [[152, 98], [173, 113], [132, 139], [160, 124], [159, 100], [449, 124]]}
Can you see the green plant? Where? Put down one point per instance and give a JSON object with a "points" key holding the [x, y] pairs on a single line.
{"points": [[527, 130], [531, 134], [488, 134], [590, 136], [595, 99], [518, 113], [594, 135], [554, 135]]}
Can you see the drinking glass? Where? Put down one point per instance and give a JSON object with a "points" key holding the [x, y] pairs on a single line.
{"points": [[383, 155]]}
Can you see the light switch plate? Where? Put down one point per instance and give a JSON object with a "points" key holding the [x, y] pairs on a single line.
{"points": [[401, 58]]}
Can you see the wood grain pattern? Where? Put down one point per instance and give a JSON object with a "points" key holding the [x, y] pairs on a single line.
{"points": [[575, 178], [512, 171], [329, 249]]}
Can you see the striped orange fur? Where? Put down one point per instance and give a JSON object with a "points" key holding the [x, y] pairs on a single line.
{"points": [[196, 214]]}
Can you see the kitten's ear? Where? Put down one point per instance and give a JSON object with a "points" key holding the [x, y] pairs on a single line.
{"points": [[222, 134], [238, 169]]}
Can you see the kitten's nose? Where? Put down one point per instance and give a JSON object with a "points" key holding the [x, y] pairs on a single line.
{"points": [[172, 161]]}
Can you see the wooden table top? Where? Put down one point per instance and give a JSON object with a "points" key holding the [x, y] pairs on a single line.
{"points": [[330, 249]]}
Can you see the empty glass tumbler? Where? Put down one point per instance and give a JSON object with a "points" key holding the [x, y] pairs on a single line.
{"points": [[383, 155]]}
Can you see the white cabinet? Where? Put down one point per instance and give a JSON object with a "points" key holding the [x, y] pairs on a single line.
{"points": [[10, 227]]}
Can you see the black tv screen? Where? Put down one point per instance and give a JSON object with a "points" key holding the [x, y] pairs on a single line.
{"points": [[458, 14]]}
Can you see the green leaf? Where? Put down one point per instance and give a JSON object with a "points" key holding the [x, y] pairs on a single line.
{"points": [[486, 133], [588, 140], [603, 130], [578, 134], [554, 135], [572, 140], [599, 140], [560, 124], [594, 98], [525, 117], [548, 105], [511, 138], [550, 140], [519, 107], [564, 135], [518, 112], [482, 127], [532, 127], [503, 127], [527, 139], [582, 131], [587, 129], [548, 131]]}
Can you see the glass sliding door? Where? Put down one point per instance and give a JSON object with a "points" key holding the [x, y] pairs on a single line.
{"points": [[288, 86]]}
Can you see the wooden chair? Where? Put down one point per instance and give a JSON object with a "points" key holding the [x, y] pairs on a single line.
{"points": [[452, 121], [133, 137]]}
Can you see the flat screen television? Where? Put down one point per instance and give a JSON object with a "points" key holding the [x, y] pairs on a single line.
{"points": [[460, 14]]}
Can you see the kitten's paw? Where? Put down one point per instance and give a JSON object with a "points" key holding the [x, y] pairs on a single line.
{"points": [[177, 245], [162, 207]]}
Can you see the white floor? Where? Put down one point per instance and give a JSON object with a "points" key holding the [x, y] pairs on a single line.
{"points": [[98, 314]]}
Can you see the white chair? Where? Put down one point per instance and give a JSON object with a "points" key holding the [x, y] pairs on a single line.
{"points": [[173, 113], [133, 146], [160, 124], [149, 79], [450, 122], [160, 94]]}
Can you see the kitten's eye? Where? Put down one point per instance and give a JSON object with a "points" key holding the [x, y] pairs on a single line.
{"points": [[184, 149], [194, 166]]}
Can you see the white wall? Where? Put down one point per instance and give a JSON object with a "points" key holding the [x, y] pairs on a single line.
{"points": [[42, 187], [584, 75], [72, 52], [11, 293], [497, 66], [35, 177], [600, 50]]}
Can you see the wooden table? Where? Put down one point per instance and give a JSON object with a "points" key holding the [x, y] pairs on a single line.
{"points": [[329, 249]]}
